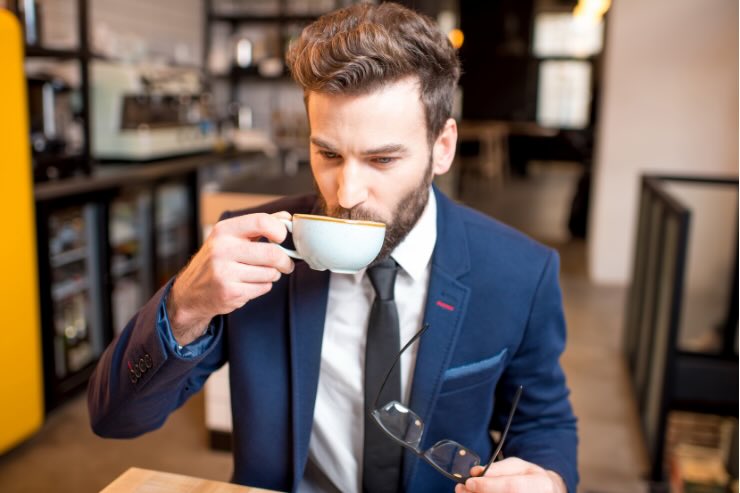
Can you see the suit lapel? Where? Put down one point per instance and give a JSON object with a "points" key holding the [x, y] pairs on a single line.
{"points": [[445, 311], [308, 298]]}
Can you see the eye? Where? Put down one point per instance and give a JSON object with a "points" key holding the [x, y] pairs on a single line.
{"points": [[383, 160], [329, 154]]}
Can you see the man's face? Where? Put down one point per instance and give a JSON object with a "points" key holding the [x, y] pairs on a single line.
{"points": [[371, 158]]}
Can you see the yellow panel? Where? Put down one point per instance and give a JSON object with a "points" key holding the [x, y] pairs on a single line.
{"points": [[21, 387]]}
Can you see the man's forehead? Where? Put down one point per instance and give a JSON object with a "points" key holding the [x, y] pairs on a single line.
{"points": [[409, 86]]}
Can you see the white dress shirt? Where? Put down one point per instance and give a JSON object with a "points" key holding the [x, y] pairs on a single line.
{"points": [[335, 448]]}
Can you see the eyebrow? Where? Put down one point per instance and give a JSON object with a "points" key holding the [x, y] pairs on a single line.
{"points": [[385, 149]]}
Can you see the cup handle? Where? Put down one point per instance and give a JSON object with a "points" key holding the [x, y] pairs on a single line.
{"points": [[291, 253]]}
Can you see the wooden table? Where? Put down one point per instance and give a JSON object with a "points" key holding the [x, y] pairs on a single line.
{"points": [[146, 481], [492, 136]]}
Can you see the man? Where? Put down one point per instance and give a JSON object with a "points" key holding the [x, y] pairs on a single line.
{"points": [[303, 346]]}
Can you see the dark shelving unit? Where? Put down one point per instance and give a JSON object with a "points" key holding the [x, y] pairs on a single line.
{"points": [[280, 20], [91, 272], [62, 54], [78, 275], [66, 165], [72, 277]]}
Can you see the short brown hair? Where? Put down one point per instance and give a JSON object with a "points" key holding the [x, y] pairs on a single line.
{"points": [[357, 49]]}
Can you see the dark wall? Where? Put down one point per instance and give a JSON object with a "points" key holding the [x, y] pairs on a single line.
{"points": [[499, 78], [426, 7]]}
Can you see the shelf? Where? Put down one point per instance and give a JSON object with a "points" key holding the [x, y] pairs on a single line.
{"points": [[48, 168], [64, 54], [255, 19], [123, 240], [706, 381], [169, 249], [252, 74], [65, 289], [64, 258], [166, 63], [125, 268], [113, 176], [170, 224]]}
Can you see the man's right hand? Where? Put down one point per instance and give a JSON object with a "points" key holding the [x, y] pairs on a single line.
{"points": [[231, 268]]}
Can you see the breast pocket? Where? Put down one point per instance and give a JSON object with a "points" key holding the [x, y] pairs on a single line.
{"points": [[473, 374]]}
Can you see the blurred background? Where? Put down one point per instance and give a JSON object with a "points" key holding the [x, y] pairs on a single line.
{"points": [[608, 130]]}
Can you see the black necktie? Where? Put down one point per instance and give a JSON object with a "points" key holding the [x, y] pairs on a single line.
{"points": [[381, 468]]}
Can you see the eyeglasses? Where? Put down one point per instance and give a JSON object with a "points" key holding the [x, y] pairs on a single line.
{"points": [[405, 427]]}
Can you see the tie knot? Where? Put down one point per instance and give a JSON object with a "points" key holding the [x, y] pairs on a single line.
{"points": [[383, 277]]}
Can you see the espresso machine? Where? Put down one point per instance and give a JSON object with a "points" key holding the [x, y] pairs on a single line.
{"points": [[144, 112]]}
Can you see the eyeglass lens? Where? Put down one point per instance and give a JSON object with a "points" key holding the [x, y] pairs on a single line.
{"points": [[405, 426], [452, 458], [402, 423]]}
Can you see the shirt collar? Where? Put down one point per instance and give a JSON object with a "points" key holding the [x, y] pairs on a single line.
{"points": [[415, 251]]}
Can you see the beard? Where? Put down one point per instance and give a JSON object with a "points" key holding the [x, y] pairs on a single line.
{"points": [[402, 219]]}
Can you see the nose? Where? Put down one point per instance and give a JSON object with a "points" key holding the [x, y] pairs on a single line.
{"points": [[352, 185]]}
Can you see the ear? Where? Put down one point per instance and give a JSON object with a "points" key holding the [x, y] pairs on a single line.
{"points": [[443, 150]]}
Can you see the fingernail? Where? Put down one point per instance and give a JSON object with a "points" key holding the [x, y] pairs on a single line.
{"points": [[470, 485]]}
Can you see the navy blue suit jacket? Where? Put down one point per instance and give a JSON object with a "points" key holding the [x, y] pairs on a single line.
{"points": [[496, 322]]}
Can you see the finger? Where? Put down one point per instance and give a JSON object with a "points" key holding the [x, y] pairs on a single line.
{"points": [[509, 484], [522, 483], [507, 467], [254, 226], [256, 290], [234, 295], [254, 273], [248, 252], [266, 255], [459, 488]]}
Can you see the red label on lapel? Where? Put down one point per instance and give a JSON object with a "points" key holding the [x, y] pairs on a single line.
{"points": [[444, 305]]}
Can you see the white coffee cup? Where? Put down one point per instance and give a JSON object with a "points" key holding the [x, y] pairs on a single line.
{"points": [[345, 246]]}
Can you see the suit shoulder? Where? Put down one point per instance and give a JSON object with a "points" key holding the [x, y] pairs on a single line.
{"points": [[294, 204]]}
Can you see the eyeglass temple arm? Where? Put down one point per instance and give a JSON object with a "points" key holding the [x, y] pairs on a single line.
{"points": [[506, 430], [390, 370]]}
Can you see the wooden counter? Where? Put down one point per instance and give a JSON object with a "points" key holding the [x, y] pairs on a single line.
{"points": [[147, 481], [107, 176]]}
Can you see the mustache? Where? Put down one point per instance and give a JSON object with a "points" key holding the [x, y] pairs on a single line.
{"points": [[355, 213]]}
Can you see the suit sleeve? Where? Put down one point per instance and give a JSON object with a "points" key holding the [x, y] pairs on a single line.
{"points": [[543, 430], [141, 378]]}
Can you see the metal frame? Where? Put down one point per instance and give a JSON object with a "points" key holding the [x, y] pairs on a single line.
{"points": [[689, 381]]}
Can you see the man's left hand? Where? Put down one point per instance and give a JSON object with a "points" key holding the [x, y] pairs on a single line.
{"points": [[512, 475]]}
